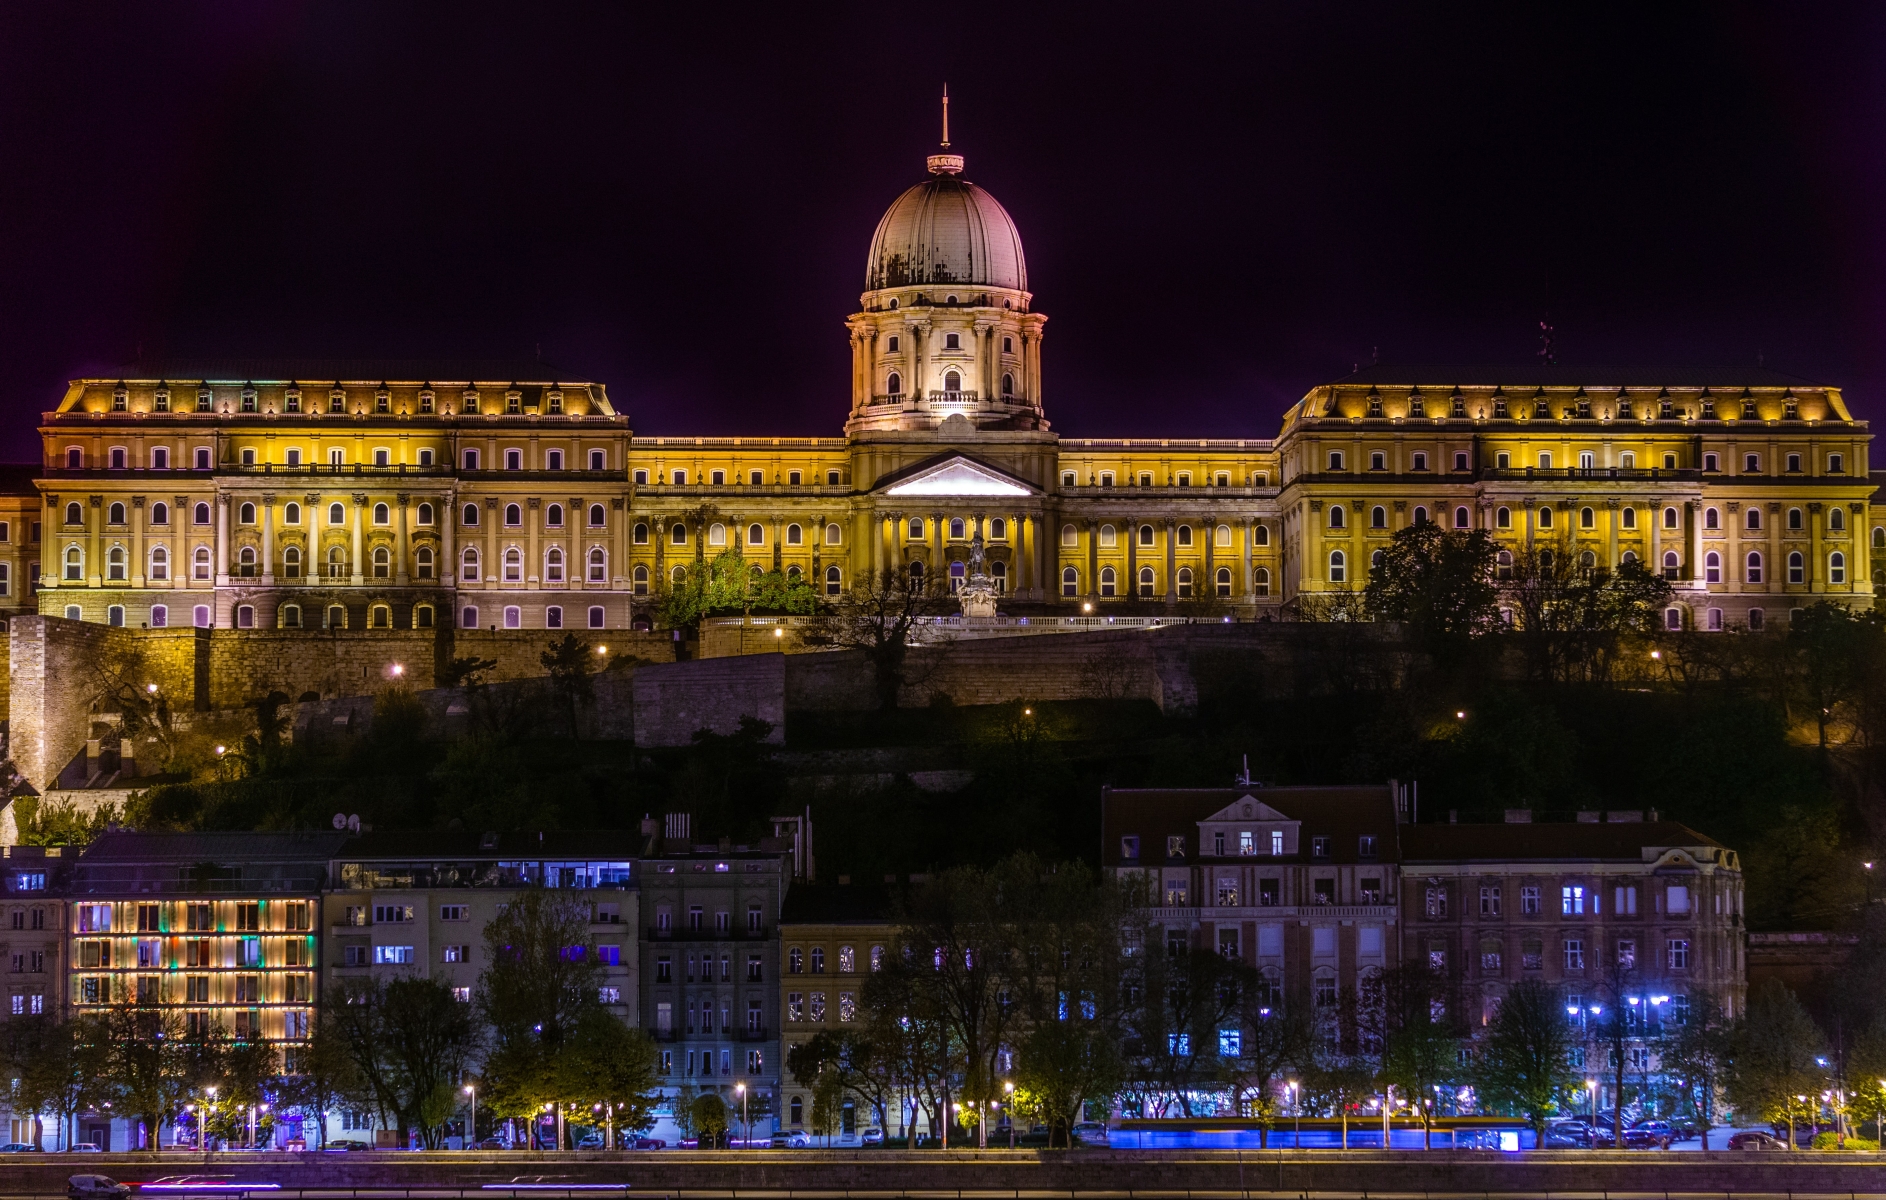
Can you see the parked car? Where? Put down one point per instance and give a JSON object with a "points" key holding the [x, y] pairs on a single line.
{"points": [[348, 1144], [1753, 1139], [1567, 1135], [789, 1139], [873, 1136], [591, 1141], [647, 1143], [84, 1148], [1090, 1133], [18, 1148], [95, 1187], [1650, 1133]]}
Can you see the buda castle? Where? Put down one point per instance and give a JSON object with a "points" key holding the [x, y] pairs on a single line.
{"points": [[344, 496]]}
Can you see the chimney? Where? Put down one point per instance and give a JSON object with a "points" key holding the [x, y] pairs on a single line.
{"points": [[1586, 817], [1625, 816], [1519, 816], [1453, 816], [1653, 814]]}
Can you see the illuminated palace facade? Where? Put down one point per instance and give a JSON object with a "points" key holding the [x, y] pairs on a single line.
{"points": [[334, 495]]}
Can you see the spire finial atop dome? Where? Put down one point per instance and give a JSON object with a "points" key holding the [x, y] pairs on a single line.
{"points": [[946, 116], [946, 164]]}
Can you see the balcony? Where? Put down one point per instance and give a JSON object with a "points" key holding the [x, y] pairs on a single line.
{"points": [[753, 1035], [1278, 912]]}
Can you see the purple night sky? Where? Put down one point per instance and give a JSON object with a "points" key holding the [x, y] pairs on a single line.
{"points": [[1222, 205]]}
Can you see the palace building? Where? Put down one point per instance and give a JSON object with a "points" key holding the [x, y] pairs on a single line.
{"points": [[343, 496]]}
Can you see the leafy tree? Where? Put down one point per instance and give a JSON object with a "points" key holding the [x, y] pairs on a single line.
{"points": [[1274, 1043], [1836, 649], [881, 616], [570, 664], [708, 1117], [1775, 1047], [1525, 1056], [1696, 1054], [1179, 998], [1572, 618], [606, 1062], [853, 1061], [410, 1040], [1437, 582], [827, 1096], [1411, 1016], [40, 1054], [51, 823], [326, 1078], [466, 671], [1060, 1066]]}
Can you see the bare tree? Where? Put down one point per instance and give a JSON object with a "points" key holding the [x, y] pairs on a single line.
{"points": [[882, 617]]}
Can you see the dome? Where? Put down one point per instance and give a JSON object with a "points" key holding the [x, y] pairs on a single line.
{"points": [[946, 230]]}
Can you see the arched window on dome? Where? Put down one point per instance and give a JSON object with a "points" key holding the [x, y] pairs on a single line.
{"points": [[894, 386], [1008, 384], [952, 382]]}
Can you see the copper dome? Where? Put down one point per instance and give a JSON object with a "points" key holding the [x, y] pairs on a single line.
{"points": [[946, 231]]}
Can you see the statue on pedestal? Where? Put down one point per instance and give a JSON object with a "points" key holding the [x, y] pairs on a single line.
{"points": [[978, 595]]}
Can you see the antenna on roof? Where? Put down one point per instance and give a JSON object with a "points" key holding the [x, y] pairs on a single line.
{"points": [[946, 115], [1244, 779]]}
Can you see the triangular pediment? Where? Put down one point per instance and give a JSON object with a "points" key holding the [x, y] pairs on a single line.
{"points": [[1247, 808], [956, 475]]}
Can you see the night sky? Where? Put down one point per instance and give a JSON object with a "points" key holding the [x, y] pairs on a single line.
{"points": [[1222, 206]]}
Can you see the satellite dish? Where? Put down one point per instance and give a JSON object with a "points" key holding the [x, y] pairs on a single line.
{"points": [[353, 823], [340, 820]]}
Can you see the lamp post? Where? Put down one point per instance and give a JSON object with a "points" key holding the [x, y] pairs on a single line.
{"points": [[1296, 1112], [1008, 1089], [210, 1106], [982, 1124], [1869, 883], [471, 1128], [745, 1123]]}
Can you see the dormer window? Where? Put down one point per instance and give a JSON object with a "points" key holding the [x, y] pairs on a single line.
{"points": [[1319, 847], [1365, 846], [1129, 847], [1276, 843], [1218, 843], [1247, 842], [1175, 846], [291, 401], [337, 401]]}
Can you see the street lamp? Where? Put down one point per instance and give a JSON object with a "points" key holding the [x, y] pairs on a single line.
{"points": [[1296, 1111], [1869, 883], [1008, 1089], [471, 1130], [746, 1123]]}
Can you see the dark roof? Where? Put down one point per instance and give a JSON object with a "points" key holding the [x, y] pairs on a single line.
{"points": [[330, 370], [233, 848], [837, 903], [410, 845], [1517, 377], [1548, 841], [1341, 813]]}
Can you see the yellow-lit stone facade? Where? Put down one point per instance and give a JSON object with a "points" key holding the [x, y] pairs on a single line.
{"points": [[510, 496]]}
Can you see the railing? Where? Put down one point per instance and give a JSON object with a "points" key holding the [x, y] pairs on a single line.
{"points": [[1277, 911], [945, 397]]}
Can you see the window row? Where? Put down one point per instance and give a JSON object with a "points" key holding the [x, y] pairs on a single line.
{"points": [[1146, 582], [202, 458], [755, 477], [1182, 479], [952, 380], [1106, 535]]}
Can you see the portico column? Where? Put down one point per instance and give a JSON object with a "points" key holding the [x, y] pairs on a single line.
{"points": [[1246, 587], [1611, 534], [1732, 570], [222, 540], [491, 540], [941, 565], [1692, 542], [360, 521], [1093, 557], [268, 539], [1814, 573], [1211, 543], [399, 545], [137, 542], [533, 566], [619, 574], [1656, 537], [1172, 556], [1131, 529]]}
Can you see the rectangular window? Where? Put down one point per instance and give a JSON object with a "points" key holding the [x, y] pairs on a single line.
{"points": [[392, 914], [1276, 842], [1529, 900], [1627, 953], [1678, 899], [1267, 892], [1572, 900], [1574, 954], [1319, 847], [390, 955], [455, 954], [454, 912], [1436, 903], [1679, 954], [1490, 901], [1532, 954]]}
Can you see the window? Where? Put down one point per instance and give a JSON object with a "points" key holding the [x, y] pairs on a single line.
{"points": [[1378, 517], [1572, 900], [1336, 518], [1672, 565], [1335, 460], [1836, 463], [1836, 519], [1490, 900], [1545, 518], [1338, 567], [1754, 569], [1678, 953], [1435, 902], [1574, 954], [1836, 567], [392, 955], [1794, 518], [1797, 567], [513, 617], [553, 565], [1712, 566]]}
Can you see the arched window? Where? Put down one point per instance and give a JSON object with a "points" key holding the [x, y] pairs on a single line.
{"points": [[291, 562], [1879, 537], [640, 533], [200, 563], [1672, 565], [1711, 519], [1587, 519], [895, 384], [513, 461], [639, 577], [422, 614], [468, 617], [74, 563], [1461, 517], [1797, 567], [916, 529], [553, 617], [834, 581], [160, 563], [336, 514], [1107, 536], [1712, 567], [1223, 581], [1070, 581], [1546, 559], [1587, 561], [952, 382], [1260, 535], [1336, 516], [678, 534], [1146, 582], [289, 617], [998, 529], [513, 565], [1755, 566], [424, 515], [833, 533], [422, 558], [1757, 619], [1794, 518], [1630, 518], [958, 529], [553, 516], [1184, 581], [200, 616], [75, 513], [382, 562], [1185, 535], [1260, 581], [1545, 517], [554, 460], [1145, 535], [74, 459], [1836, 566], [114, 515], [160, 513], [1378, 517], [1503, 518], [1836, 518], [245, 562], [336, 563], [1420, 515], [598, 565], [513, 617], [1628, 558], [795, 536], [916, 575], [1670, 519], [468, 515], [553, 565], [469, 570], [1107, 581], [717, 534], [679, 575], [1673, 619], [1753, 520], [1338, 567], [1503, 564], [291, 513], [1008, 384], [382, 515], [756, 535], [513, 516], [597, 517], [1222, 536], [959, 572]]}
